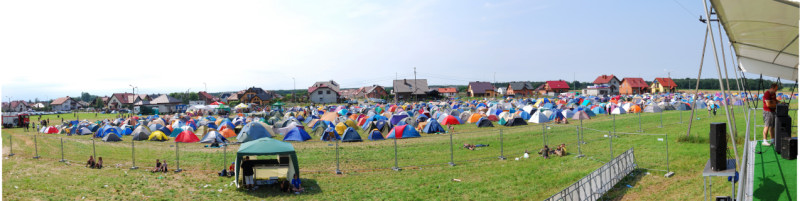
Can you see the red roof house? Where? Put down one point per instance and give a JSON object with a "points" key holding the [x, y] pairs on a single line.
{"points": [[633, 85]]}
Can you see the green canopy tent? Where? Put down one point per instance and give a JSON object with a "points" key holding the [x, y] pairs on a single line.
{"points": [[278, 106], [265, 147]]}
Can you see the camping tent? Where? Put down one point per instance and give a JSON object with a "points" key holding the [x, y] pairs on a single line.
{"points": [[298, 133], [652, 108], [330, 134], [111, 138], [228, 132], [187, 137], [158, 136], [450, 120], [375, 135], [405, 131], [618, 110], [141, 133], [252, 131], [516, 121], [433, 127], [474, 118], [484, 122], [175, 132], [350, 135], [268, 146], [213, 136]]}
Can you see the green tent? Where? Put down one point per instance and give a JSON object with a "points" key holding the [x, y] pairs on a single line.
{"points": [[267, 146]]}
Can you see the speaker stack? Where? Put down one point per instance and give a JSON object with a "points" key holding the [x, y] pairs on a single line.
{"points": [[783, 127], [719, 146]]}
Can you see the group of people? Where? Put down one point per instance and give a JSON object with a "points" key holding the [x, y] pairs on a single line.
{"points": [[160, 167], [285, 185], [545, 152], [91, 163]]}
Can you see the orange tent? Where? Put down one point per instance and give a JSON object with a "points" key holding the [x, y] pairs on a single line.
{"points": [[635, 109], [169, 127], [227, 132], [474, 118]]}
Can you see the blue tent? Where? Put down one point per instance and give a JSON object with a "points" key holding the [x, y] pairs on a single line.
{"points": [[126, 131], [330, 132], [212, 125], [252, 131], [297, 134], [312, 117], [525, 115], [100, 131], [155, 127], [228, 124], [213, 136], [164, 130], [375, 135], [556, 114], [175, 132], [350, 135], [110, 130], [598, 110], [433, 127], [396, 118], [405, 130]]}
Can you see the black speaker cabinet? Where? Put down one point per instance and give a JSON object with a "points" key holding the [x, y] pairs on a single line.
{"points": [[789, 149], [782, 110], [783, 129], [719, 146]]}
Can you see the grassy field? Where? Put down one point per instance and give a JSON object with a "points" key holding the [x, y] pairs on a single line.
{"points": [[366, 165]]}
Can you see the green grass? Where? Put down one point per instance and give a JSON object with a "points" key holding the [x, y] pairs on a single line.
{"points": [[366, 165]]}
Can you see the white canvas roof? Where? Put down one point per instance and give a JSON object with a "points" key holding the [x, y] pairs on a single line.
{"points": [[763, 33]]}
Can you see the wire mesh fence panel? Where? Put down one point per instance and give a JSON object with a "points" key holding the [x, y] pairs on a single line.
{"points": [[651, 149]]}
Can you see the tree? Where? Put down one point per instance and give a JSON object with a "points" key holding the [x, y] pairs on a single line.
{"points": [[98, 103]]}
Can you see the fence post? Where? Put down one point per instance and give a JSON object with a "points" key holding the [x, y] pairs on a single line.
{"points": [[578, 131], [681, 111], [62, 151], [133, 155], [501, 157], [544, 136], [177, 158], [669, 174], [94, 151], [35, 147], [452, 162], [639, 114], [614, 123], [225, 156], [337, 156], [395, 168], [610, 146], [11, 145], [661, 120]]}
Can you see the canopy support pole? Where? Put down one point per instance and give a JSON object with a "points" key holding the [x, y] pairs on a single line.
{"points": [[725, 90], [721, 86], [697, 85]]}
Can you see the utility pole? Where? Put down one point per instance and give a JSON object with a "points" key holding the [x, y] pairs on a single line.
{"points": [[294, 88], [205, 87], [415, 84], [394, 88], [9, 104]]}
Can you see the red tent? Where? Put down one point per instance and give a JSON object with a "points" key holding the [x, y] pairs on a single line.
{"points": [[450, 120], [187, 137], [52, 130], [493, 118]]}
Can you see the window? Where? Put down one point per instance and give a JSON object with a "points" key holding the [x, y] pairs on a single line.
{"points": [[328, 92], [319, 92]]}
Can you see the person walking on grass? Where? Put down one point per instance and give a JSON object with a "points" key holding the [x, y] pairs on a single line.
{"points": [[769, 113]]}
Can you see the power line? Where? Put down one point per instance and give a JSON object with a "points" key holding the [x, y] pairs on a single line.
{"points": [[684, 8]]}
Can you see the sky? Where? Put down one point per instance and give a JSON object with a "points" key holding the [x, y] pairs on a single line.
{"points": [[51, 49]]}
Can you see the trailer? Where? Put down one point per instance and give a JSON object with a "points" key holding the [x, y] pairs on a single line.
{"points": [[15, 121]]}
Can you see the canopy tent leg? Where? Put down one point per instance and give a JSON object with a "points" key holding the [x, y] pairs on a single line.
{"points": [[697, 85]]}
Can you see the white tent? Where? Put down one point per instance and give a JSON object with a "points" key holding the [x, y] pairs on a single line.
{"points": [[763, 34], [538, 117]]}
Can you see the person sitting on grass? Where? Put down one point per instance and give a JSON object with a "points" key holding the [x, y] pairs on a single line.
{"points": [[230, 169], [90, 162], [472, 147], [296, 185], [285, 186], [158, 166], [561, 150], [99, 164], [545, 152]]}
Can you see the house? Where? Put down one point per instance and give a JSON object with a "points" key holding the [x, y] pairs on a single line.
{"points": [[164, 103], [663, 85], [406, 89], [125, 100], [324, 92], [554, 87], [16, 106], [481, 89], [62, 104], [256, 95], [374, 91], [519, 89], [501, 91], [597, 90], [448, 92], [234, 96], [349, 93], [611, 82], [207, 98], [633, 85]]}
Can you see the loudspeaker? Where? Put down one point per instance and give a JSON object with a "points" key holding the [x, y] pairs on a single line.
{"points": [[789, 149], [783, 129], [782, 110], [719, 146]]}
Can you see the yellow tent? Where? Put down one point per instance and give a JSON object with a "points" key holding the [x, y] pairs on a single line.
{"points": [[341, 127], [158, 136]]}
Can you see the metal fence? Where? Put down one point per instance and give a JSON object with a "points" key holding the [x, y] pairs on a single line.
{"points": [[600, 181]]}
